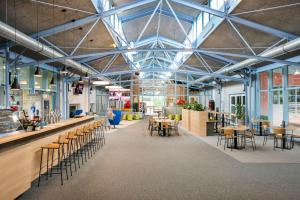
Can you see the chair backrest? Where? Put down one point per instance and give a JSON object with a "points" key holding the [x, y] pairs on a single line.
{"points": [[266, 124], [62, 138], [165, 124], [71, 133], [253, 131], [228, 132], [278, 130]]}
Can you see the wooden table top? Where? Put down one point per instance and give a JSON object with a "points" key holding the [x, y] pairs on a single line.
{"points": [[236, 128], [164, 120], [259, 120], [18, 135]]}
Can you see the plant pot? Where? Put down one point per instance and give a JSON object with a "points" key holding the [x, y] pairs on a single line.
{"points": [[186, 119], [199, 123]]}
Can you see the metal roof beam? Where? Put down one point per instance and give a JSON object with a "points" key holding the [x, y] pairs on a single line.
{"points": [[244, 22], [149, 11], [112, 52]]}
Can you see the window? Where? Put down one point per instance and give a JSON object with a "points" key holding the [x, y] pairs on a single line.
{"points": [[293, 76], [294, 106], [264, 80], [264, 106], [277, 78]]}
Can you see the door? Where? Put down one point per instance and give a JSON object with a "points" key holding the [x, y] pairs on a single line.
{"points": [[101, 104], [277, 107]]}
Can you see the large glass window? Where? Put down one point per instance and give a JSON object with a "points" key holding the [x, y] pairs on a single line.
{"points": [[294, 106], [264, 80], [264, 105], [277, 78], [293, 76]]}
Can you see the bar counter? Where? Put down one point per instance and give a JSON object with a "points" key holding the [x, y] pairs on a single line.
{"points": [[20, 155]]}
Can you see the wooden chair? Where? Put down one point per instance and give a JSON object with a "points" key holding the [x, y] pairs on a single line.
{"points": [[153, 126], [266, 131], [229, 137], [174, 127], [280, 134], [249, 137], [220, 134], [166, 127], [74, 147], [55, 148]]}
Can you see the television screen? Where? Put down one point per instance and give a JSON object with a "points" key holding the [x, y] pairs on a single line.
{"points": [[78, 89]]}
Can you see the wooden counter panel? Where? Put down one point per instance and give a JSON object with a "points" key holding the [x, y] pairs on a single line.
{"points": [[49, 128], [20, 164]]}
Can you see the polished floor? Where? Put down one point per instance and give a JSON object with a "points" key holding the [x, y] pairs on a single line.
{"points": [[136, 166]]}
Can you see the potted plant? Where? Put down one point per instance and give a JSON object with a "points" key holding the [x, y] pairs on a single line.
{"points": [[198, 107], [240, 114]]}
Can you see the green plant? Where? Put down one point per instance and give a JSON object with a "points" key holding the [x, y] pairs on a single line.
{"points": [[198, 107], [187, 106], [240, 112]]}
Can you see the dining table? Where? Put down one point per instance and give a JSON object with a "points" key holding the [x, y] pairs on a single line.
{"points": [[160, 121], [259, 122], [239, 128]]}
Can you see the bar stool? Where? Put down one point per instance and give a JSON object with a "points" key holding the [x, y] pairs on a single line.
{"points": [[60, 158], [81, 142], [102, 132], [74, 147], [87, 139], [64, 141]]}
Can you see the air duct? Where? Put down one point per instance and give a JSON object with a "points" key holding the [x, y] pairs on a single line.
{"points": [[274, 52], [22, 39]]}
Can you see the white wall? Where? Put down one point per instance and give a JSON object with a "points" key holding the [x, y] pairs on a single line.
{"points": [[82, 99], [227, 90]]}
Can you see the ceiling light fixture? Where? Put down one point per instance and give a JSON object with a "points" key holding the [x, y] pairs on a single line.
{"points": [[37, 72], [52, 82], [15, 85], [64, 70], [80, 80], [113, 87], [101, 83]]}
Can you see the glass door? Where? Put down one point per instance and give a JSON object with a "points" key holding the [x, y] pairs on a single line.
{"points": [[101, 104], [277, 107]]}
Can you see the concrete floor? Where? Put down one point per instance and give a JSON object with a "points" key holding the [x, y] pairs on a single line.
{"points": [[136, 166]]}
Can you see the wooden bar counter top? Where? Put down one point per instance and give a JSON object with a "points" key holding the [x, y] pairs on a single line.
{"points": [[20, 155]]}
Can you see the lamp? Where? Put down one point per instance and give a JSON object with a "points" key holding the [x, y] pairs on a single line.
{"points": [[37, 72], [64, 70], [73, 84], [52, 82], [80, 80], [15, 85], [100, 82]]}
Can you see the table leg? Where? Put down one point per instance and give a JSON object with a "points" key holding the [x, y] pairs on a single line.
{"points": [[260, 129], [235, 140]]}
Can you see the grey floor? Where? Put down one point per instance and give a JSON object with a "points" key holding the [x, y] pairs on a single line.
{"points": [[135, 166]]}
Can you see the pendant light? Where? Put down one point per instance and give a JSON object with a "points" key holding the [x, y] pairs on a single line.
{"points": [[80, 80], [37, 72], [52, 82], [73, 84], [64, 70], [15, 85]]}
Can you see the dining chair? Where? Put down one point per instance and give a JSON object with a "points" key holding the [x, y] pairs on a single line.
{"points": [[249, 137], [229, 137], [221, 135], [266, 131], [166, 127], [280, 135]]}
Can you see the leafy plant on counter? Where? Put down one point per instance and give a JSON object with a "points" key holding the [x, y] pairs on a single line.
{"points": [[194, 106], [198, 107], [187, 106]]}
